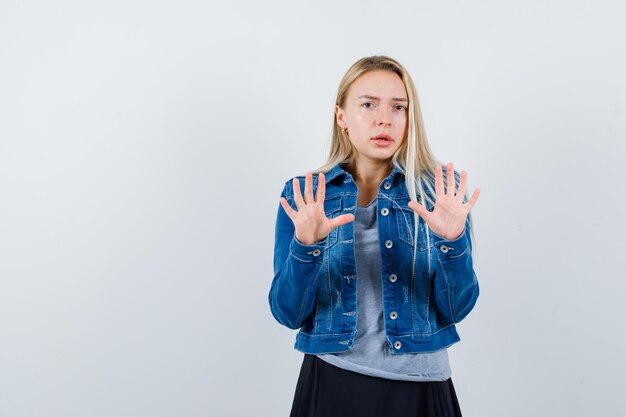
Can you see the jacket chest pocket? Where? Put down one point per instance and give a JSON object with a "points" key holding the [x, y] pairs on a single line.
{"points": [[406, 228], [332, 209]]}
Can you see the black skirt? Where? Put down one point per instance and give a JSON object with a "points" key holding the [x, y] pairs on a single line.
{"points": [[325, 390]]}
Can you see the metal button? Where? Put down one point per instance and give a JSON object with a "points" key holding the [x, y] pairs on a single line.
{"points": [[397, 344], [393, 315], [393, 277], [388, 244], [387, 185], [384, 211], [443, 248], [317, 252]]}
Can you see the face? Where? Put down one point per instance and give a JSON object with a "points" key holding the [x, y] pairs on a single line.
{"points": [[375, 113]]}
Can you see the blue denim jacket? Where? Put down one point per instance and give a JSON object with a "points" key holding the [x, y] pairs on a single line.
{"points": [[314, 286]]}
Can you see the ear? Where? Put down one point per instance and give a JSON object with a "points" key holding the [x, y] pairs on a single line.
{"points": [[341, 117]]}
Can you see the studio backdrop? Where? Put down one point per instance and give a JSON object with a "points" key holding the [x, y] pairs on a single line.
{"points": [[144, 145]]}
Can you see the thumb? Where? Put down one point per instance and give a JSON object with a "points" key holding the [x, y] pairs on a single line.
{"points": [[341, 220], [419, 209]]}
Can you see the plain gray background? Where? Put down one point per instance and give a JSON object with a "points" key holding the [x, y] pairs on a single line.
{"points": [[144, 144]]}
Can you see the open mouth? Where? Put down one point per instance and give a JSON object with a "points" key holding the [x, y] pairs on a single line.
{"points": [[382, 139]]}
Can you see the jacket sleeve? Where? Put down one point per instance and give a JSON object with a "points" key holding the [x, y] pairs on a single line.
{"points": [[296, 267], [455, 284]]}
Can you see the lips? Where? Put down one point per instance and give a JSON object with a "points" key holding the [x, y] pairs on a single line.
{"points": [[383, 137], [382, 140]]}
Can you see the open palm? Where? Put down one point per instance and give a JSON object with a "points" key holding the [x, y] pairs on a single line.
{"points": [[310, 220], [450, 213]]}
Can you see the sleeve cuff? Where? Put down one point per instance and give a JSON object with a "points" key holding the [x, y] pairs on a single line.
{"points": [[448, 247], [309, 253]]}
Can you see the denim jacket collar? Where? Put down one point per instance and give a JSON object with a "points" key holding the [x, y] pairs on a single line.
{"points": [[338, 171]]}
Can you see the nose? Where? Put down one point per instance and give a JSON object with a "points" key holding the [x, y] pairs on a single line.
{"points": [[383, 118]]}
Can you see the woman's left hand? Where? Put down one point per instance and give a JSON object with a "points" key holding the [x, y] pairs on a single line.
{"points": [[450, 213]]}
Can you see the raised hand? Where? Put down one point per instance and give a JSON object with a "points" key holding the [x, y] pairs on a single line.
{"points": [[310, 220], [450, 213]]}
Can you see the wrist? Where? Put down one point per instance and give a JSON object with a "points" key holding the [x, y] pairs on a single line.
{"points": [[309, 242]]}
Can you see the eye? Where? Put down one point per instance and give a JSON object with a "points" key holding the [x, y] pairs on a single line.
{"points": [[368, 105], [400, 107]]}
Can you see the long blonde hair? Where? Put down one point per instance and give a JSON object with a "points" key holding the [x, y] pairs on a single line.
{"points": [[413, 156]]}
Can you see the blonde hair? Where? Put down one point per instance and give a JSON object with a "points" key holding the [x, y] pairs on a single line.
{"points": [[414, 157]]}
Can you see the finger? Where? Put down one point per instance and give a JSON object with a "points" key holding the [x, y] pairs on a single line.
{"points": [[473, 199], [438, 180], [297, 194], [420, 210], [308, 188], [341, 220], [451, 187], [321, 187], [462, 184], [290, 212]]}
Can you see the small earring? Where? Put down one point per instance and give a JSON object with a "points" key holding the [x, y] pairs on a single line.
{"points": [[345, 131]]}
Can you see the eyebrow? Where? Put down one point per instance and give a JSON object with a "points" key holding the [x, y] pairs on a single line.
{"points": [[378, 98]]}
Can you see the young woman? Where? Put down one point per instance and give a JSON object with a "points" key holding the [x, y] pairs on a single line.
{"points": [[373, 260]]}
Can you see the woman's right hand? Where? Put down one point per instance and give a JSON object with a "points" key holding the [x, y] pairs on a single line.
{"points": [[310, 220]]}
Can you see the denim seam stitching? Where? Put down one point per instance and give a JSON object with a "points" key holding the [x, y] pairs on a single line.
{"points": [[448, 292], [330, 298], [309, 261], [455, 256], [301, 313], [424, 333]]}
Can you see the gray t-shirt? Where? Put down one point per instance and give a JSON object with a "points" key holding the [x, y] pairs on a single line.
{"points": [[370, 353]]}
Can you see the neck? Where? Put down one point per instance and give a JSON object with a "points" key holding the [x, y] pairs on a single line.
{"points": [[369, 173]]}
